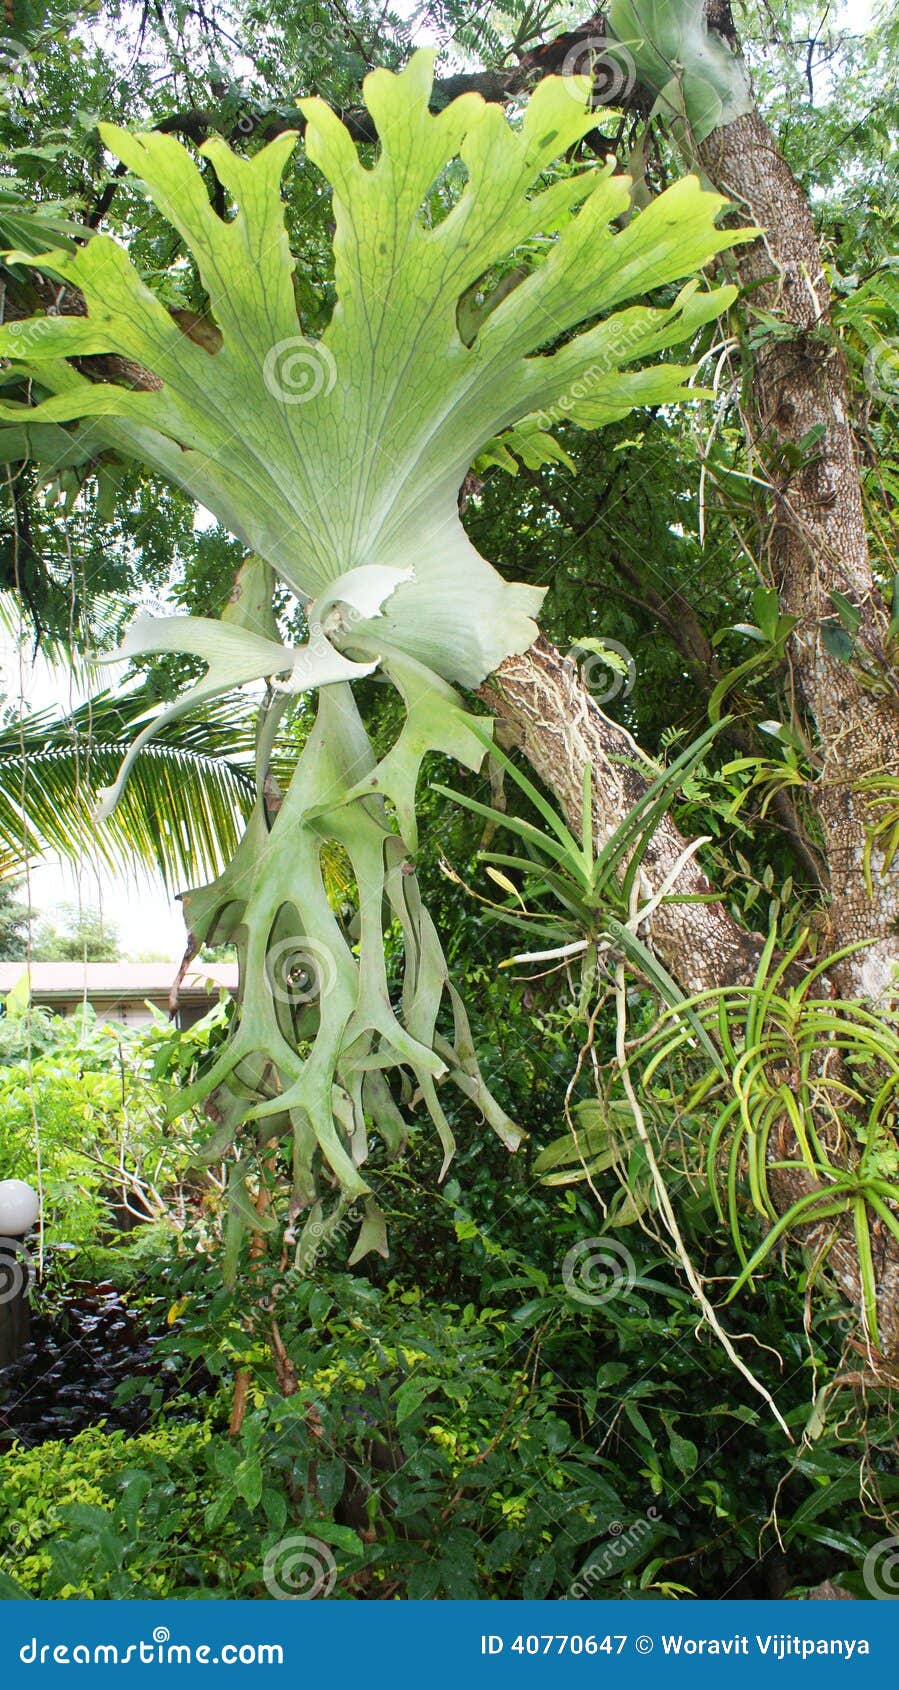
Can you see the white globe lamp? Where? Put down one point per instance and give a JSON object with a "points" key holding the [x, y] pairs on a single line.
{"points": [[19, 1208]]}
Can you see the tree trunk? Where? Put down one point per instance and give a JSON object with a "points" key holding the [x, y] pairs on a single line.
{"points": [[817, 541], [562, 731], [817, 544]]}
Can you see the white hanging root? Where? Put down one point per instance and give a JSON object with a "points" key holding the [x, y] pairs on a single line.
{"points": [[575, 949], [643, 913], [667, 1211]]}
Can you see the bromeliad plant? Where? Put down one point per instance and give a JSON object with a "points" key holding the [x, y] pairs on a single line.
{"points": [[826, 1070], [582, 903], [338, 462]]}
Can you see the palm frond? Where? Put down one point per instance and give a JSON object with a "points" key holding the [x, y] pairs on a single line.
{"points": [[183, 810]]}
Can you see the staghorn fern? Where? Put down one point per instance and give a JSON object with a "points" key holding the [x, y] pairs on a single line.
{"points": [[699, 83], [338, 463]]}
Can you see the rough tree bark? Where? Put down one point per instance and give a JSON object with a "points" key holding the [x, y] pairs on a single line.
{"points": [[817, 543], [817, 540], [561, 731]]}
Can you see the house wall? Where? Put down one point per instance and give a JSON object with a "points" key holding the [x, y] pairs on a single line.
{"points": [[126, 1011]]}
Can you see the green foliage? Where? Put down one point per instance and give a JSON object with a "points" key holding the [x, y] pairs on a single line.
{"points": [[700, 83], [771, 630], [463, 1426], [15, 921], [189, 792], [830, 1069], [226, 422], [603, 1136], [476, 1433], [84, 1117], [881, 794], [649, 534], [66, 1539], [278, 480], [83, 937], [442, 1430], [590, 893]]}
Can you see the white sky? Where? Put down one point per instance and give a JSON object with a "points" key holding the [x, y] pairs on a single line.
{"points": [[148, 921]]}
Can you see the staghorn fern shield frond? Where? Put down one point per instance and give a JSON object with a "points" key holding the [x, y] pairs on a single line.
{"points": [[338, 462]]}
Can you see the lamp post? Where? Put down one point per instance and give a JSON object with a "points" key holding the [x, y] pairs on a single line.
{"points": [[19, 1209]]}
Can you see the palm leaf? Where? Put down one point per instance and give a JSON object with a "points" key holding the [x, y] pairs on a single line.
{"points": [[182, 814]]}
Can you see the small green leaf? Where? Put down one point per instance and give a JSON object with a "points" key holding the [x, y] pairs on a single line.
{"points": [[409, 1398], [341, 1537], [836, 642], [683, 1451], [766, 609], [848, 613], [248, 1481]]}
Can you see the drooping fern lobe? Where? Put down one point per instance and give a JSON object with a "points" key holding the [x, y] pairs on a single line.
{"points": [[338, 461]]}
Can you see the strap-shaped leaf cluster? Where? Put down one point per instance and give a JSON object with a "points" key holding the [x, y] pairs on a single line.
{"points": [[338, 462], [830, 1070]]}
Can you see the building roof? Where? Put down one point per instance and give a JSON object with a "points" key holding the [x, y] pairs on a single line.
{"points": [[118, 979]]}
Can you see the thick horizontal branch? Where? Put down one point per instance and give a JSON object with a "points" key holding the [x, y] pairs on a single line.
{"points": [[562, 732]]}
